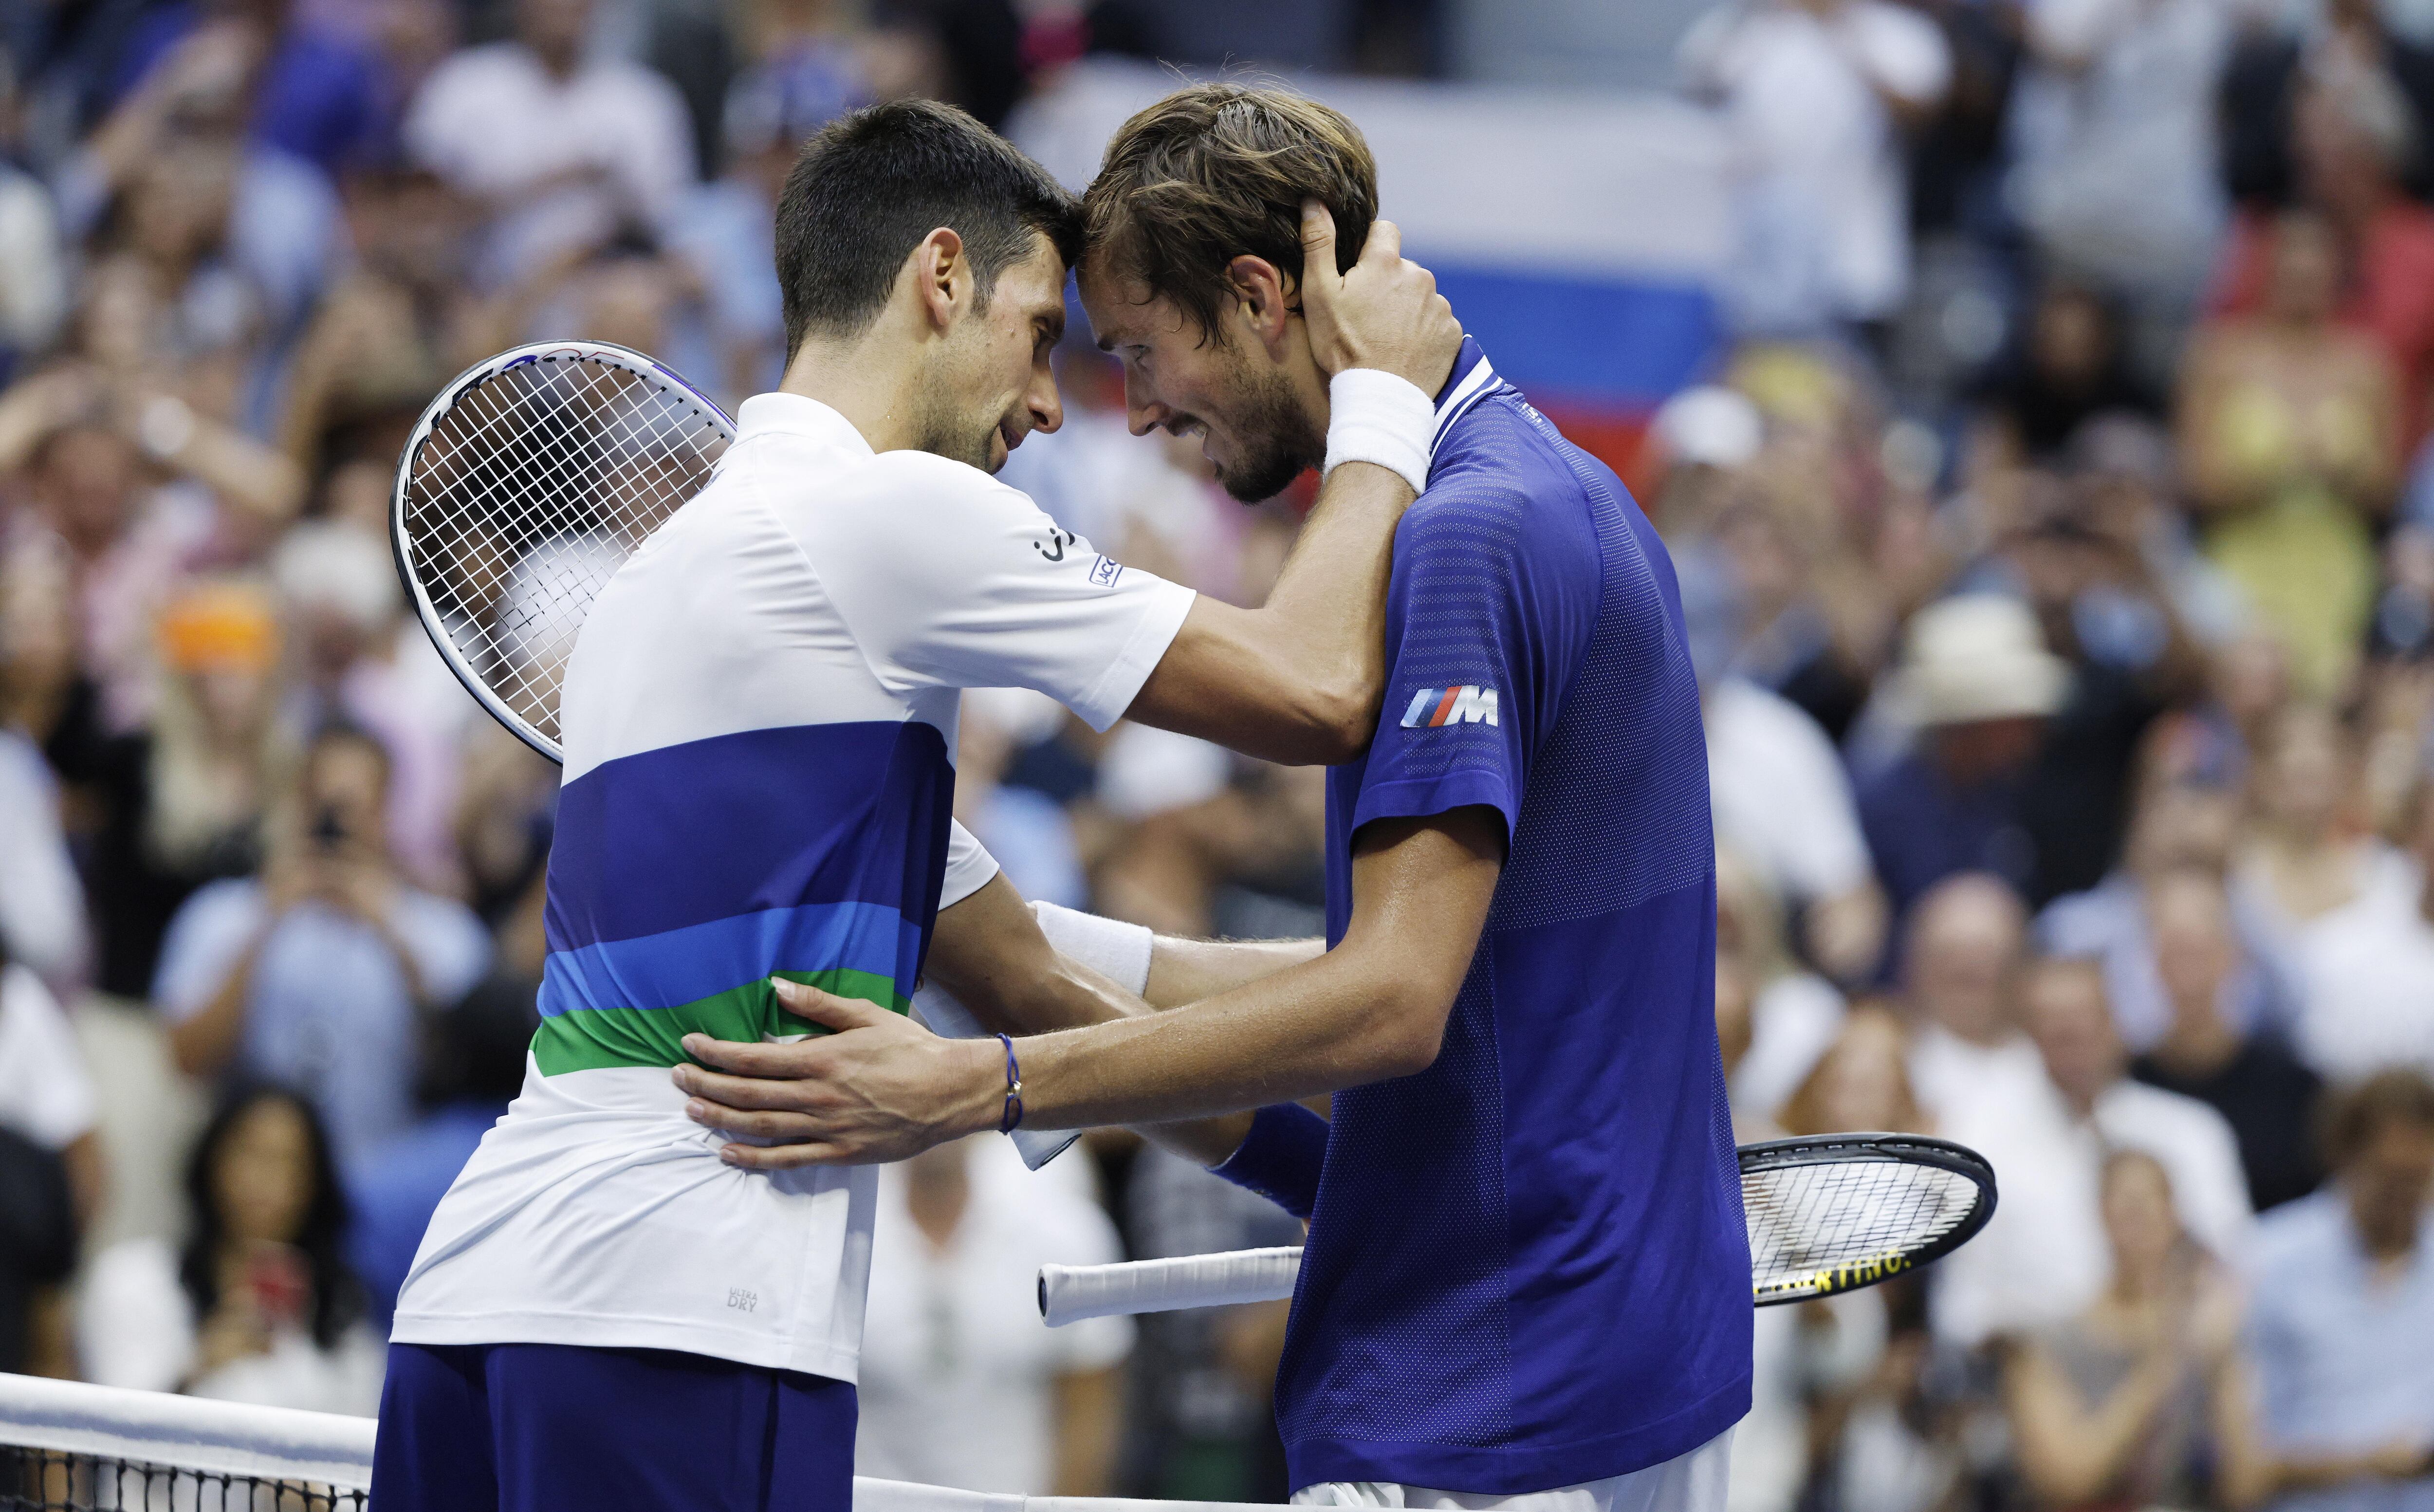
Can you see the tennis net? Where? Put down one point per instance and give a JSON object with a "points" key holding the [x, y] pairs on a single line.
{"points": [[67, 1447]]}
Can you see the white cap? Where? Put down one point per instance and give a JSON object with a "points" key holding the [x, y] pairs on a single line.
{"points": [[1979, 656], [1709, 424]]}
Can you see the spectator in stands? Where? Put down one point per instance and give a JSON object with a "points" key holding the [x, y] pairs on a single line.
{"points": [[2274, 61], [2112, 133], [2175, 826], [564, 148], [50, 1169], [2234, 1064], [46, 1093], [2292, 428], [259, 1306], [238, 236], [315, 94], [955, 1335], [1788, 1016], [1862, 1082], [1815, 94], [34, 300], [38, 1242], [364, 663], [2352, 137], [89, 448], [1781, 796], [313, 975], [1959, 979], [2343, 1308], [179, 801], [1979, 685], [2063, 1006], [2369, 969], [2074, 366], [403, 322], [2043, 1257], [43, 923], [2093, 566], [2303, 861], [2141, 1399]]}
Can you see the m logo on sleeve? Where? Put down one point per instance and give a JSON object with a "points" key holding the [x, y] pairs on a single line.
{"points": [[1469, 704]]}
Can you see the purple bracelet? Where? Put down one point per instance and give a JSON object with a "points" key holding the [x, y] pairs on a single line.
{"points": [[1012, 1118]]}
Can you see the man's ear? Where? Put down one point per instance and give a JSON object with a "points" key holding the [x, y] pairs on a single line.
{"points": [[1265, 301], [942, 276]]}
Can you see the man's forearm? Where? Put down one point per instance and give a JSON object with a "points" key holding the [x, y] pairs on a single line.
{"points": [[1299, 681], [1371, 1008], [1185, 971]]}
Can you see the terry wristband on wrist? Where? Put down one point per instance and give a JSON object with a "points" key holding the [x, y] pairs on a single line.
{"points": [[1280, 1158], [1115, 950], [1376, 417]]}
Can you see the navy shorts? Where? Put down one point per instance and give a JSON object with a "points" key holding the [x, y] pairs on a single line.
{"points": [[555, 1428]]}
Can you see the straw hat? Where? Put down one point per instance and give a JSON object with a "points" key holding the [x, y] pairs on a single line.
{"points": [[1979, 656]]}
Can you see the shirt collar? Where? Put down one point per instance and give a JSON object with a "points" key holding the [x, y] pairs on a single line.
{"points": [[795, 415], [1473, 379]]}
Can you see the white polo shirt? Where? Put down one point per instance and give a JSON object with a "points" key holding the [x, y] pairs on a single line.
{"points": [[760, 725]]}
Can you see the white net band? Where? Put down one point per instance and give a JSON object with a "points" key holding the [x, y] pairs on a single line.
{"points": [[65, 1445]]}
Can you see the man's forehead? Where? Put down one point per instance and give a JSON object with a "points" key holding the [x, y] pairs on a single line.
{"points": [[1122, 308]]}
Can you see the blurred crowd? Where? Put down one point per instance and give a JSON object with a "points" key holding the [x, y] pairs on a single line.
{"points": [[2056, 536]]}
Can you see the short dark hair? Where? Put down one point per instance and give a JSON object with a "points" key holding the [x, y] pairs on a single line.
{"points": [[2355, 1116], [869, 187], [1214, 172]]}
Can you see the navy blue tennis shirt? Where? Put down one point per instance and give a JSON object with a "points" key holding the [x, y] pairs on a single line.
{"points": [[1527, 1266]]}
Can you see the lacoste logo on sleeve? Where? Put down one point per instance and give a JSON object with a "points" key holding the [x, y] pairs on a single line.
{"points": [[1469, 704], [1105, 572]]}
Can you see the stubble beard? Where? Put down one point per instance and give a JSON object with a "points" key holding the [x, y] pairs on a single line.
{"points": [[1277, 437]]}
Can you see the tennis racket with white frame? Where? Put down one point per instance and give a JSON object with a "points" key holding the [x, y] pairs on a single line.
{"points": [[525, 487], [1824, 1215]]}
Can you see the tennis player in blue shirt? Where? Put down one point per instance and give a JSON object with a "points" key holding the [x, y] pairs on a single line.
{"points": [[1526, 1278]]}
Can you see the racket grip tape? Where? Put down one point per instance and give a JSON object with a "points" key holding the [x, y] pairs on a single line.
{"points": [[1068, 1293]]}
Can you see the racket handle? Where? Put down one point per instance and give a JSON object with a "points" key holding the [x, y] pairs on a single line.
{"points": [[1068, 1293]]}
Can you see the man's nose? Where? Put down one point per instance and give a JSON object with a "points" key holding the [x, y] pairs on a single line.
{"points": [[1047, 406], [1142, 412]]}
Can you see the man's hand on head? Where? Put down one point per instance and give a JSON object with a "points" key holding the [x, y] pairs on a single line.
{"points": [[1384, 313], [881, 1088]]}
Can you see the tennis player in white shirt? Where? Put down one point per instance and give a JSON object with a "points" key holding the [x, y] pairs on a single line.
{"points": [[758, 722]]}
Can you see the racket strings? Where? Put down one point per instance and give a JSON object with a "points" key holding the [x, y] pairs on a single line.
{"points": [[1812, 1226], [529, 492]]}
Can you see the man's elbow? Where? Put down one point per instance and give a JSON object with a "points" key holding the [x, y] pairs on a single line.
{"points": [[1405, 1035], [1335, 721]]}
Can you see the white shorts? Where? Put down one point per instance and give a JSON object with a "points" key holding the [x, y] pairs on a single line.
{"points": [[1691, 1482]]}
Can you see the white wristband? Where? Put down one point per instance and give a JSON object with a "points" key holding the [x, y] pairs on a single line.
{"points": [[1115, 950], [1376, 417]]}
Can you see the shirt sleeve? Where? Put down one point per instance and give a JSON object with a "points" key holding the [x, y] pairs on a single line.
{"points": [[952, 579], [970, 866], [1484, 624]]}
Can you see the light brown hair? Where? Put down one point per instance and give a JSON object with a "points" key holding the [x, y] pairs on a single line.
{"points": [[1218, 171]]}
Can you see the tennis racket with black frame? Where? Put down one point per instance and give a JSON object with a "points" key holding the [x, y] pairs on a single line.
{"points": [[1824, 1215]]}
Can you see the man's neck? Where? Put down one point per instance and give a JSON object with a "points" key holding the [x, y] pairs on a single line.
{"points": [[875, 384]]}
